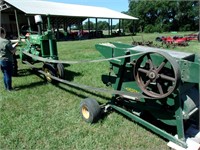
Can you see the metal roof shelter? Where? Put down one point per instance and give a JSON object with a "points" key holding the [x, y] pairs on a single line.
{"points": [[33, 7], [61, 12]]}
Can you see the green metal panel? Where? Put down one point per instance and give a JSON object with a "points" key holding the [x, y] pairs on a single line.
{"points": [[175, 110], [189, 71], [150, 126]]}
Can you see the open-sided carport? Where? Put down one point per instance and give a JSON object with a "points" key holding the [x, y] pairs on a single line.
{"points": [[61, 13]]}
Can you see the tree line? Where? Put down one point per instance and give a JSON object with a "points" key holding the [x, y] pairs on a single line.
{"points": [[163, 16], [101, 25], [157, 16]]}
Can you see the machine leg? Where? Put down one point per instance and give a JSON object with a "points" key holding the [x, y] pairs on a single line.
{"points": [[179, 118], [15, 65]]}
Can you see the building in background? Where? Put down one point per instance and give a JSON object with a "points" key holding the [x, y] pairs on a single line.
{"points": [[17, 16]]}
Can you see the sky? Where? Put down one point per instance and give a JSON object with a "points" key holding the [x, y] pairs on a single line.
{"points": [[117, 5]]}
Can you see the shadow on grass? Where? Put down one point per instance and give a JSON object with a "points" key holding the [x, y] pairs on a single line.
{"points": [[29, 86], [83, 90], [24, 72], [69, 75], [152, 120]]}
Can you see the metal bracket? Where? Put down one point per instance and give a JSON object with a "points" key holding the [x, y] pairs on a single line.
{"points": [[107, 108], [4, 6]]}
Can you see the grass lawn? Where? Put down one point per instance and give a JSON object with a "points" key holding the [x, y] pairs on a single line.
{"points": [[44, 116]]}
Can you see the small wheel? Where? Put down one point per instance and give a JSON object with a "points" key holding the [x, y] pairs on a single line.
{"points": [[49, 70], [60, 71], [157, 74], [159, 39], [90, 110]]}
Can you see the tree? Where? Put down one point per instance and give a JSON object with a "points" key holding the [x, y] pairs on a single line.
{"points": [[102, 25], [86, 25], [159, 15]]}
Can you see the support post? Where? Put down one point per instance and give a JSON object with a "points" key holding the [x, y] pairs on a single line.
{"points": [[89, 27], [29, 24], [52, 54], [17, 24], [123, 27], [119, 25], [111, 26], [96, 27], [57, 28]]}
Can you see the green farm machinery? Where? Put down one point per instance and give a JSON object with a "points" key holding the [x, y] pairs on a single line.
{"points": [[152, 83], [156, 88], [41, 44]]}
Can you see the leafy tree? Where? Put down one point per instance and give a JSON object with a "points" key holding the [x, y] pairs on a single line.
{"points": [[102, 25], [161, 15], [86, 25]]}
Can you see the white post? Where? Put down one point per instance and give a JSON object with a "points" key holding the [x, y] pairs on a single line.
{"points": [[17, 23]]}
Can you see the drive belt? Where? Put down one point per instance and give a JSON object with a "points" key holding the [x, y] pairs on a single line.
{"points": [[77, 62], [130, 95]]}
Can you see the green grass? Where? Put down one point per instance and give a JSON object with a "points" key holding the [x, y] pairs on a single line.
{"points": [[44, 116]]}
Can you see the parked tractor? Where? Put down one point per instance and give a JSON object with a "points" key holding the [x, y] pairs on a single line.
{"points": [[42, 44]]}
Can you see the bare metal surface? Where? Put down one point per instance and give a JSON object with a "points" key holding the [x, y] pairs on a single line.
{"points": [[172, 53], [35, 7]]}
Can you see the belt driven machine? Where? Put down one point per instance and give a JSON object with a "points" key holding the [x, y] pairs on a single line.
{"points": [[164, 85]]}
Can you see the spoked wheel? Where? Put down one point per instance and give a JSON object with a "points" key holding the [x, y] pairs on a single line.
{"points": [[50, 71], [90, 110], [60, 71], [157, 74]]}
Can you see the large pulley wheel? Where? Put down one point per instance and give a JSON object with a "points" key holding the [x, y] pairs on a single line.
{"points": [[50, 71], [157, 74]]}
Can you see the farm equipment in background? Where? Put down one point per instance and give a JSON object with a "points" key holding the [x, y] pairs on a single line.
{"points": [[144, 43], [177, 40], [156, 88], [193, 36], [173, 41], [42, 44]]}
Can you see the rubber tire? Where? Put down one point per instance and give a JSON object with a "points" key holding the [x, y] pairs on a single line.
{"points": [[51, 70], [159, 39], [60, 70], [93, 109]]}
